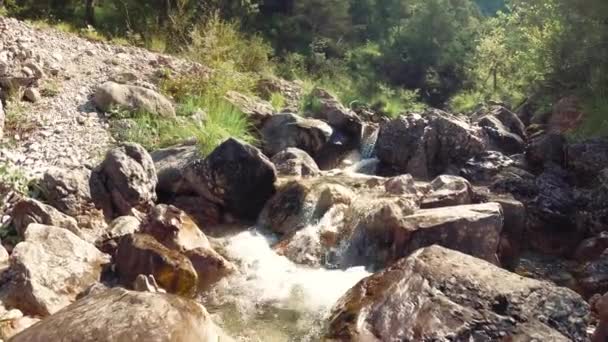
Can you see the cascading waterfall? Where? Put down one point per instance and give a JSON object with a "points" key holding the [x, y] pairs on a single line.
{"points": [[368, 141], [272, 298]]}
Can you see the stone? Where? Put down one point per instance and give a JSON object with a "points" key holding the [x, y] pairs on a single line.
{"points": [[204, 212], [256, 109], [119, 227], [447, 191], [111, 95], [295, 162], [129, 177], [329, 109], [121, 315], [236, 176], [544, 148], [485, 166], [143, 254], [28, 211], [591, 248], [504, 128], [50, 269], [513, 232], [389, 232], [289, 130], [2, 119], [210, 266], [437, 294], [592, 276], [401, 185], [426, 145], [587, 159], [291, 91], [174, 229], [170, 163], [32, 95]]}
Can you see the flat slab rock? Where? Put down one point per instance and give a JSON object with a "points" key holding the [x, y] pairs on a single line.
{"points": [[438, 294], [121, 315]]}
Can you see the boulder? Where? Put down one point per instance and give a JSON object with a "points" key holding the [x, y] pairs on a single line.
{"points": [[289, 130], [401, 185], [256, 109], [210, 266], [447, 191], [505, 130], [204, 212], [516, 181], [328, 108], [236, 176], [32, 95], [79, 194], [512, 235], [119, 227], [300, 203], [295, 162], [121, 315], [591, 248], [483, 167], [545, 148], [143, 254], [291, 91], [169, 164], [551, 219], [426, 145], [50, 269], [389, 232], [129, 177], [111, 95], [2, 118], [592, 276], [28, 211], [437, 294], [174, 229], [587, 159], [13, 322]]}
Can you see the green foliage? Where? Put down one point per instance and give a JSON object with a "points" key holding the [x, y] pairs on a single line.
{"points": [[12, 180], [217, 122], [595, 120], [17, 122], [277, 100]]}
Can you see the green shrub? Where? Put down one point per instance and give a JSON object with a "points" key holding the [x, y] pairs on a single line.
{"points": [[595, 120], [220, 121], [466, 102], [277, 100]]}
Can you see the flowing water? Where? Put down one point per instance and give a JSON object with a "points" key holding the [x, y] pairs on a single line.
{"points": [[272, 298]]}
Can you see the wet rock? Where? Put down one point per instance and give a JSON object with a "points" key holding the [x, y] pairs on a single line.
{"points": [[121, 315], [256, 109], [551, 226], [143, 254], [426, 145], [28, 211], [587, 159], [50, 268], [447, 191], [441, 294], [210, 266], [112, 95], [236, 176], [169, 164], [129, 177], [484, 167], [289, 130], [516, 181], [544, 148], [329, 109], [295, 162], [301, 203]]}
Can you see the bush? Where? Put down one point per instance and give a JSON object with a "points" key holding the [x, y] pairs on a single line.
{"points": [[220, 121]]}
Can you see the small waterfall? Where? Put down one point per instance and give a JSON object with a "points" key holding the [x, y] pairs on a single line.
{"points": [[368, 141], [272, 298]]}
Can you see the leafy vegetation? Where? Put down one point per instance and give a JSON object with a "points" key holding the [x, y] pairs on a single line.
{"points": [[387, 55]]}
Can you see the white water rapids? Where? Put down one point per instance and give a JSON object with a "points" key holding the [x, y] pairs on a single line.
{"points": [[272, 298]]}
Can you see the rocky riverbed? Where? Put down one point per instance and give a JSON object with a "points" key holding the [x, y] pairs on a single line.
{"points": [[338, 226]]}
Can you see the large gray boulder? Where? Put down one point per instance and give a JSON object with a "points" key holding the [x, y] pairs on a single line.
{"points": [[28, 211], [447, 191], [328, 108], [236, 176], [437, 294], [121, 315], [111, 95], [50, 269], [289, 130], [129, 178], [426, 145], [587, 159], [505, 130]]}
